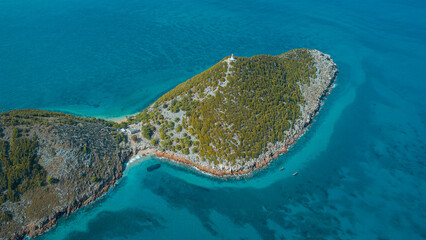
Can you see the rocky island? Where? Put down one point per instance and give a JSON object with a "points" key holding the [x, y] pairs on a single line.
{"points": [[228, 121], [238, 115]]}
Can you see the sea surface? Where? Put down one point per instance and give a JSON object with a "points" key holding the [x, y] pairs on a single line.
{"points": [[362, 165]]}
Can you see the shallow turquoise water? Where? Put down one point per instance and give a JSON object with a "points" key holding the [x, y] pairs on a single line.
{"points": [[362, 172]]}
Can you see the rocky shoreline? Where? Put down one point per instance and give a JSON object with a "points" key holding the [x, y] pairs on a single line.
{"points": [[85, 149], [33, 231], [314, 94], [82, 160]]}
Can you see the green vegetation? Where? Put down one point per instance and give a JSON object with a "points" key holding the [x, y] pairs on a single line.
{"points": [[33, 116], [147, 131], [143, 117], [16, 133], [5, 216], [52, 180], [119, 137], [95, 179], [29, 179], [197, 84], [154, 141], [166, 144], [85, 149], [20, 170], [195, 150], [186, 104], [185, 151], [257, 105]]}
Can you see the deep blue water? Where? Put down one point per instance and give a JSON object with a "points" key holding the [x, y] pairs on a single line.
{"points": [[362, 165]]}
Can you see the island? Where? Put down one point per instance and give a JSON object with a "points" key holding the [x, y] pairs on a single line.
{"points": [[238, 115], [228, 121]]}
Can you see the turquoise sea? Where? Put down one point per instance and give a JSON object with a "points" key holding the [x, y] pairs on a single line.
{"points": [[362, 165]]}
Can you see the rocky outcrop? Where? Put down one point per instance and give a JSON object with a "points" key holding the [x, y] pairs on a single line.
{"points": [[313, 93], [44, 225], [84, 160]]}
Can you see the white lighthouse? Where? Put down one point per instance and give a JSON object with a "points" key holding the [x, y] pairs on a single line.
{"points": [[232, 57]]}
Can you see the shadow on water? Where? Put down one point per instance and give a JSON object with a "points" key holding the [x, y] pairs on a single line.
{"points": [[255, 207], [124, 224]]}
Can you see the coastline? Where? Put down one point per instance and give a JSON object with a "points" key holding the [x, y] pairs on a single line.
{"points": [[247, 171], [224, 174], [260, 163], [322, 85], [120, 119], [117, 119], [314, 93], [35, 230]]}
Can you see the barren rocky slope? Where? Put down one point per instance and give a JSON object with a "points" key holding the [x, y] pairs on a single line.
{"points": [[80, 160]]}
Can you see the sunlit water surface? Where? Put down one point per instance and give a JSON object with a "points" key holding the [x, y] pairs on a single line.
{"points": [[361, 166]]}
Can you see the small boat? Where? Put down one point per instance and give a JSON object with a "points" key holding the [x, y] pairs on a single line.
{"points": [[153, 167], [281, 169], [295, 173]]}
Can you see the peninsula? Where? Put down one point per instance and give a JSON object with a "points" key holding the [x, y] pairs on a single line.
{"points": [[228, 121], [51, 164]]}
